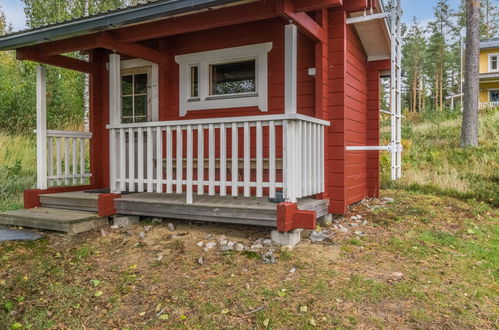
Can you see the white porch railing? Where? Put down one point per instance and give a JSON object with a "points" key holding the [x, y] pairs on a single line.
{"points": [[67, 152], [256, 155], [489, 105]]}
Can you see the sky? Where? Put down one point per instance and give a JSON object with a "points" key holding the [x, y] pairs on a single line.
{"points": [[421, 9]]}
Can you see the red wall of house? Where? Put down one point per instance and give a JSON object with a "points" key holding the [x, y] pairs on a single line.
{"points": [[354, 115]]}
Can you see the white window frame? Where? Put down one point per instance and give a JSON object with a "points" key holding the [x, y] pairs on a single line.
{"points": [[496, 55], [491, 90], [152, 79], [203, 60]]}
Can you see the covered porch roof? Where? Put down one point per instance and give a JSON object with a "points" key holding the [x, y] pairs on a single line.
{"points": [[123, 30]]}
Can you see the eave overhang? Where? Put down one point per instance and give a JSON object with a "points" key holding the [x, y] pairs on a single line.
{"points": [[110, 20], [374, 34]]}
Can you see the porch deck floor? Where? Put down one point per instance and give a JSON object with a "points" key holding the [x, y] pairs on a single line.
{"points": [[229, 209]]}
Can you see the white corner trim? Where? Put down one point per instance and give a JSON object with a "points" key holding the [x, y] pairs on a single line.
{"points": [[257, 52]]}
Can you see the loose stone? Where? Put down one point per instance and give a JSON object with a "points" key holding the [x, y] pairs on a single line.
{"points": [[255, 247], [200, 244], [239, 247], [201, 261], [267, 242], [210, 245], [171, 226], [268, 258], [142, 235]]}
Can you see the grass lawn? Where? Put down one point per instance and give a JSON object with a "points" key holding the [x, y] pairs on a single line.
{"points": [[424, 262], [428, 260]]}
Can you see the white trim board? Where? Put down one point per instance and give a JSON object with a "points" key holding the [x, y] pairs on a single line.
{"points": [[202, 60]]}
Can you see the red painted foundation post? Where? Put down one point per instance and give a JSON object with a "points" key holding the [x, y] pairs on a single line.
{"points": [[105, 204], [289, 217]]}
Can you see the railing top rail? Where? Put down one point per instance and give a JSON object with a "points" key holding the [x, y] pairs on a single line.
{"points": [[241, 119], [70, 134]]}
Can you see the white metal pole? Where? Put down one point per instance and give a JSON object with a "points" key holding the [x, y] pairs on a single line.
{"points": [[41, 127]]}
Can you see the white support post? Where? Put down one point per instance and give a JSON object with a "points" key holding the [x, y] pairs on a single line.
{"points": [[114, 117], [290, 68], [41, 127]]}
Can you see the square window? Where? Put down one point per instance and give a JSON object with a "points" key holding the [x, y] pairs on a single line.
{"points": [[233, 78]]}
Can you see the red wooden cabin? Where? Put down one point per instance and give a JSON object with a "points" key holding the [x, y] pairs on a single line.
{"points": [[225, 99]]}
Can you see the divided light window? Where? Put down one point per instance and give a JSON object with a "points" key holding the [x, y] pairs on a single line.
{"points": [[233, 78], [494, 62], [134, 98]]}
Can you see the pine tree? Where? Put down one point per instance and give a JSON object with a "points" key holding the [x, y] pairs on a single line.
{"points": [[469, 129], [440, 30], [412, 63]]}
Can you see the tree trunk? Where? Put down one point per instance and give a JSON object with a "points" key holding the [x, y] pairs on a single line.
{"points": [[469, 129]]}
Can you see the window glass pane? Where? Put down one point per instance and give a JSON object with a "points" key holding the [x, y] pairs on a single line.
{"points": [[494, 96], [126, 85], [194, 81], [141, 105], [493, 62], [126, 106], [141, 83], [233, 78]]}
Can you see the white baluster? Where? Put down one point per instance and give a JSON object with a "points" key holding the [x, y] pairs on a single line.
{"points": [[190, 146], [169, 160], [259, 159], [131, 160], [247, 159], [58, 159], [140, 160], [122, 161], [150, 160], [66, 161], [322, 160], [223, 163], [200, 159], [74, 154], [180, 161], [159, 159], [211, 160], [83, 158], [272, 159], [235, 160], [50, 152]]}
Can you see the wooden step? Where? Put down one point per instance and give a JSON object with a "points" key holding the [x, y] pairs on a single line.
{"points": [[68, 221], [78, 200]]}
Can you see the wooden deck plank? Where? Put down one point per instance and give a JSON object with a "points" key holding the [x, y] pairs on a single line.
{"points": [[76, 200], [69, 221]]}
